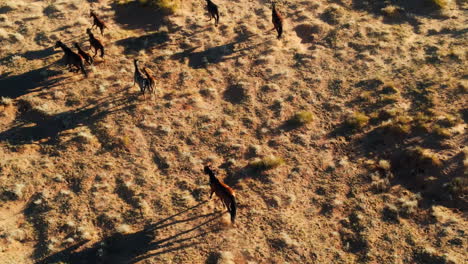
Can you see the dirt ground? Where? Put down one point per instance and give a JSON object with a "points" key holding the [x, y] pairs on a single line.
{"points": [[345, 140]]}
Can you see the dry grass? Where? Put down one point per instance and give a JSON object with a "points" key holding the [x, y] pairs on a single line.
{"points": [[89, 160], [441, 3], [357, 120], [266, 163], [301, 118]]}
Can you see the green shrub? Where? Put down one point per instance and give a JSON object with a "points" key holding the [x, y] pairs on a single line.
{"points": [[301, 118], [441, 4], [425, 156], [169, 6], [267, 163], [166, 5], [357, 120], [459, 186]]}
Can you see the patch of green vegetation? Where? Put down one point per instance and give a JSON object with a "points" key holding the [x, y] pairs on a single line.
{"points": [[389, 88], [458, 186], [389, 113], [366, 96], [389, 98], [169, 6], [425, 156], [301, 118], [166, 5], [266, 163], [441, 4], [392, 11], [441, 131], [400, 125], [357, 120]]}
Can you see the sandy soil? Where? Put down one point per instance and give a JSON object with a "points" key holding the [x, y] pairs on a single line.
{"points": [[345, 140]]}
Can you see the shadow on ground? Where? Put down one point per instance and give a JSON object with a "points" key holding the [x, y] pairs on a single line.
{"points": [[18, 85], [136, 16], [409, 144], [213, 55], [34, 125], [135, 247], [133, 45], [408, 10]]}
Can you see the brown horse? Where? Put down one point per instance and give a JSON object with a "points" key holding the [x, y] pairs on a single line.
{"points": [[224, 192], [97, 22], [72, 59], [277, 20]]}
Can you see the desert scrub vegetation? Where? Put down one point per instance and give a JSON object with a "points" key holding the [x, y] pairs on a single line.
{"points": [[424, 156], [266, 163], [301, 118], [6, 101], [169, 6], [400, 125], [441, 4], [357, 120]]}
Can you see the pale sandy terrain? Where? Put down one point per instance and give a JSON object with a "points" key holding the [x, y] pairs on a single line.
{"points": [[93, 172]]}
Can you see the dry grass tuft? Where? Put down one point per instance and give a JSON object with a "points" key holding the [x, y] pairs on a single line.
{"points": [[301, 118], [6, 101], [391, 11], [266, 163], [425, 156], [357, 120], [169, 6], [441, 4]]}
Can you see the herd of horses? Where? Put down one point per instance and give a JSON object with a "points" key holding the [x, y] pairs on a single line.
{"points": [[143, 76]]}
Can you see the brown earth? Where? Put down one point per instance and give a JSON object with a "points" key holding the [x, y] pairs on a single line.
{"points": [[359, 114]]}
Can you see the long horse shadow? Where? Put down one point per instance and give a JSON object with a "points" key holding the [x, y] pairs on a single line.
{"points": [[409, 10], [32, 54], [18, 85], [14, 86], [49, 126], [135, 247], [133, 45], [212, 55], [136, 16]]}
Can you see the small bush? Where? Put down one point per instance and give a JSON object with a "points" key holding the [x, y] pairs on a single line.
{"points": [[357, 120], [441, 131], [391, 11], [425, 156], [169, 6], [400, 125], [458, 186], [267, 163], [301, 118], [441, 4], [5, 101]]}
